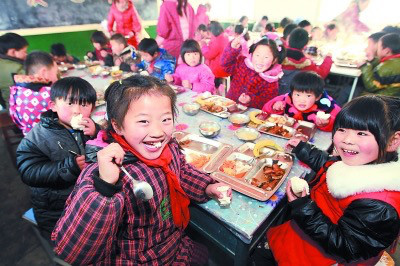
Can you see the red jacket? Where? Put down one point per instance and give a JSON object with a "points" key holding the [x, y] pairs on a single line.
{"points": [[296, 60], [127, 21], [213, 53]]}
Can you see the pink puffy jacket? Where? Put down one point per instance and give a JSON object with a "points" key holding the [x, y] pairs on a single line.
{"points": [[127, 21]]}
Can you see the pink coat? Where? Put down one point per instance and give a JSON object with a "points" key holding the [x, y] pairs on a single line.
{"points": [[201, 77], [201, 16], [127, 21], [169, 27], [213, 52]]}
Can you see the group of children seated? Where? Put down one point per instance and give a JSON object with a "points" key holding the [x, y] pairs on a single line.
{"points": [[86, 205]]}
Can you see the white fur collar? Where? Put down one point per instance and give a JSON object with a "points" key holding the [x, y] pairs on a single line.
{"points": [[344, 180]]}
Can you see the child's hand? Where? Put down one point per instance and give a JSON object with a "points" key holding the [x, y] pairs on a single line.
{"points": [[168, 77], [235, 44], [212, 191], [279, 106], [290, 194], [291, 144], [80, 161], [244, 98], [89, 126], [321, 122], [186, 84], [108, 159]]}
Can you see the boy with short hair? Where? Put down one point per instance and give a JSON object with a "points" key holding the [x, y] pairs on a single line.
{"points": [[124, 55], [156, 61], [30, 95], [306, 98], [372, 47], [52, 155], [13, 49], [59, 54]]}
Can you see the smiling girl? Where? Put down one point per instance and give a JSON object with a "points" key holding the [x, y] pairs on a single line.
{"points": [[104, 222], [192, 74], [254, 79], [352, 212]]}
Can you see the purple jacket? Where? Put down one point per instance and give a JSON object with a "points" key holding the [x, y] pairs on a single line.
{"points": [[169, 27], [201, 77]]}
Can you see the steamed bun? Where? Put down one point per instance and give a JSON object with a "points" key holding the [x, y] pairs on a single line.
{"points": [[298, 186], [75, 122]]}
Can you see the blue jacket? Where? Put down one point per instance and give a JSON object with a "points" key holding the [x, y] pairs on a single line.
{"points": [[163, 64]]}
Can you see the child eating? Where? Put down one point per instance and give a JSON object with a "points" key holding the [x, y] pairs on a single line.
{"points": [[306, 101]]}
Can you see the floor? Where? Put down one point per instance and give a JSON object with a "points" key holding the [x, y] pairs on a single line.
{"points": [[18, 244]]}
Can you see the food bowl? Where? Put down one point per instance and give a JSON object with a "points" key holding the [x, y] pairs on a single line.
{"points": [[191, 108], [239, 119], [247, 134], [80, 66], [209, 129]]}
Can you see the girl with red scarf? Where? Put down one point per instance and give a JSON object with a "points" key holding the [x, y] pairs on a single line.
{"points": [[104, 222]]}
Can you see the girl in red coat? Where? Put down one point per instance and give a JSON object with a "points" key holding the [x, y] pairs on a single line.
{"points": [[352, 212], [254, 79]]}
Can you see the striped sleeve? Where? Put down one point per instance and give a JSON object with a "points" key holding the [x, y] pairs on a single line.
{"points": [[86, 231]]}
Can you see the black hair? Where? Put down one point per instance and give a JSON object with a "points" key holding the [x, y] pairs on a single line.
{"points": [[119, 38], [202, 27], [191, 46], [58, 49], [378, 114], [99, 37], [391, 29], [12, 40], [376, 36], [270, 27], [239, 30], [308, 81], [215, 28], [181, 6], [148, 45], [278, 55], [304, 23], [331, 26], [288, 29], [242, 18], [285, 21], [391, 41], [36, 60], [264, 18], [74, 89], [120, 94], [298, 38]]}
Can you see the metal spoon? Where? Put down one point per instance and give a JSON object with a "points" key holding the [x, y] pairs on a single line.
{"points": [[141, 189]]}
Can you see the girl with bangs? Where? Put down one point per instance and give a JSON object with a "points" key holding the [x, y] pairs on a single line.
{"points": [[352, 212]]}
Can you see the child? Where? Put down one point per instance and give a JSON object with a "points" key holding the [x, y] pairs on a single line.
{"points": [[202, 35], [352, 212], [124, 55], [297, 60], [286, 33], [192, 74], [123, 13], [101, 47], [383, 77], [51, 156], [305, 24], [104, 222], [306, 98], [201, 15], [372, 47], [30, 95], [241, 33], [60, 56], [156, 61], [260, 26], [254, 79], [12, 55]]}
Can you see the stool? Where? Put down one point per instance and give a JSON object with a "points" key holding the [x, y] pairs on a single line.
{"points": [[30, 217], [12, 135]]}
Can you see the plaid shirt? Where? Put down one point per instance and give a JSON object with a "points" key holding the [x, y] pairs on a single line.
{"points": [[120, 230]]}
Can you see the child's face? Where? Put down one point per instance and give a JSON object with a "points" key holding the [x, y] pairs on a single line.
{"points": [[147, 57], [117, 47], [66, 110], [21, 53], [192, 59], [316, 34], [355, 147], [60, 59], [371, 49], [262, 58], [303, 100], [147, 126], [97, 45]]}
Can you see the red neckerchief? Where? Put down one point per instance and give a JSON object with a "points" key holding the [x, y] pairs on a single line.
{"points": [[179, 199], [390, 57]]}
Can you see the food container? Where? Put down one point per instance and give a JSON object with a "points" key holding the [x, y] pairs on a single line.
{"points": [[191, 108], [209, 129], [277, 130], [80, 66], [247, 134], [239, 119]]}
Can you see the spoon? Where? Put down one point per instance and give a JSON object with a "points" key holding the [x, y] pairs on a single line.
{"points": [[141, 189]]}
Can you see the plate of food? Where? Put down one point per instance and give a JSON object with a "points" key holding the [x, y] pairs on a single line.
{"points": [[215, 105], [277, 130]]}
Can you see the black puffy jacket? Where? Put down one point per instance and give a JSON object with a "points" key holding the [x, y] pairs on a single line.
{"points": [[47, 166]]}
